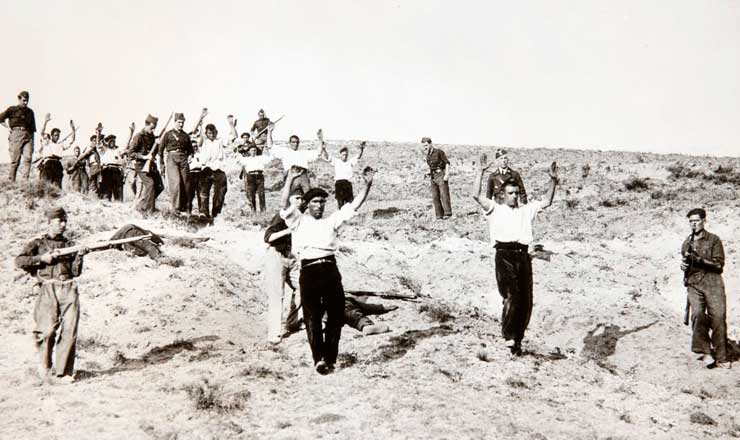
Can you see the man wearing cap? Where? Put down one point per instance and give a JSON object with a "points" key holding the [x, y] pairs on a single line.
{"points": [[281, 269], [179, 149], [503, 173], [259, 132], [51, 153], [314, 241], [22, 124], [510, 225], [111, 175], [703, 264], [57, 309], [253, 169], [140, 150], [343, 172], [439, 172]]}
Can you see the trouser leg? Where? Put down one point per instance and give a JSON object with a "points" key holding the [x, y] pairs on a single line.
{"points": [[206, 181], [66, 343], [514, 280], [354, 317], [261, 191], [251, 190], [334, 302], [15, 148], [118, 185], [45, 322], [105, 184], [313, 311], [220, 186], [291, 274], [438, 211], [27, 154], [173, 180], [146, 192], [716, 311], [84, 181], [700, 342], [444, 196], [274, 287]]}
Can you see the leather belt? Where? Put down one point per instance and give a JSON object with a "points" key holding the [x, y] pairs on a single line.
{"points": [[62, 279], [254, 172], [511, 246], [329, 259]]}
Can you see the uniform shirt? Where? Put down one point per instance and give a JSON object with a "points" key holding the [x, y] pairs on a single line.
{"points": [[298, 158], [61, 268], [141, 143], [18, 116], [212, 154], [256, 163], [54, 149], [708, 247], [508, 224], [342, 169], [315, 238], [282, 244], [111, 156], [176, 140], [437, 160], [494, 189], [259, 125]]}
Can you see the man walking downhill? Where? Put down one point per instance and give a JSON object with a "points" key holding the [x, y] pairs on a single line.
{"points": [[140, 150], [292, 157], [314, 240], [439, 171], [57, 309], [179, 149], [211, 155], [343, 173], [51, 152], [21, 122], [703, 263], [511, 233], [253, 171]]}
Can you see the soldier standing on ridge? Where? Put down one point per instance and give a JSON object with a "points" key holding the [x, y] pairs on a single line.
{"points": [[497, 178], [511, 233], [140, 150], [440, 174], [57, 309], [703, 263], [259, 137], [179, 149], [22, 124]]}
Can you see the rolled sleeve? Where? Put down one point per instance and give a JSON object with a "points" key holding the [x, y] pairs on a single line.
{"points": [[342, 216]]}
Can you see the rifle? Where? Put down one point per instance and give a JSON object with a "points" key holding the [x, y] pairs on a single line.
{"points": [[97, 246], [268, 126], [147, 168], [688, 260]]}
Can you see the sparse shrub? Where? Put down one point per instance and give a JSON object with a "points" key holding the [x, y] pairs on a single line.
{"points": [[663, 195], [483, 356], [613, 203], [635, 183], [723, 170], [678, 171], [210, 397], [410, 284], [439, 313], [571, 203], [585, 170]]}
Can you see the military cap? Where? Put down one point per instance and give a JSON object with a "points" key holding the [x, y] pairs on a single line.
{"points": [[23, 94], [109, 138], [179, 117], [426, 140], [151, 119], [500, 153], [697, 211], [314, 192], [57, 212]]}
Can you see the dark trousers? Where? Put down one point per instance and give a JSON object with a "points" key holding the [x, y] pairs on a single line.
{"points": [[322, 291], [194, 190], [255, 187], [708, 312], [216, 180], [111, 183], [441, 195], [151, 187], [178, 179], [20, 145], [514, 280], [343, 192], [52, 172]]}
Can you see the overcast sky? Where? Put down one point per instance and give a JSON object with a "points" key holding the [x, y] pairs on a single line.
{"points": [[658, 76]]}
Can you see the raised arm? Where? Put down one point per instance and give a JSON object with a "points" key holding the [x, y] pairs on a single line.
{"points": [[232, 127], [368, 174], [73, 134], [47, 118], [362, 149], [285, 195], [322, 152], [131, 130], [553, 173], [203, 114], [482, 200]]}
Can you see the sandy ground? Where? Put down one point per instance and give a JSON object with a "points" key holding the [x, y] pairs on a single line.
{"points": [[176, 349]]}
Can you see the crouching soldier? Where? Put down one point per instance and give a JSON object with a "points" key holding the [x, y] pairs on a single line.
{"points": [[57, 309]]}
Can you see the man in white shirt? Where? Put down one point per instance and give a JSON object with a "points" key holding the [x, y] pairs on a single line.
{"points": [[51, 152], [343, 171], [293, 157], [253, 170], [314, 242], [211, 156], [511, 233], [111, 175]]}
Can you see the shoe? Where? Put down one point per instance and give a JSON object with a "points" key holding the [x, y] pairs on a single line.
{"points": [[701, 357], [375, 329], [64, 380], [708, 360], [515, 347], [322, 368], [720, 365]]}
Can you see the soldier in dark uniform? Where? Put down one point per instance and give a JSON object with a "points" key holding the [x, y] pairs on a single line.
{"points": [[141, 149], [259, 137], [78, 173], [22, 124], [494, 188], [439, 171], [179, 149]]}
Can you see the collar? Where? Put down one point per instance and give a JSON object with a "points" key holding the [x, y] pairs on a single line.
{"points": [[504, 170]]}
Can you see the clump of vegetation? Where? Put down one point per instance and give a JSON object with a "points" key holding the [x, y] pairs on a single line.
{"points": [[635, 183], [613, 203], [663, 195], [678, 171], [208, 396], [437, 313], [571, 203], [585, 170]]}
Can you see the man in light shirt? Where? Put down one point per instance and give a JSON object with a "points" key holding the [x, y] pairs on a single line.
{"points": [[343, 171], [253, 169], [293, 157], [51, 152], [314, 242], [211, 156], [511, 233], [111, 175]]}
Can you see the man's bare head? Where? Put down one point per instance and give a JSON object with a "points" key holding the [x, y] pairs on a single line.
{"points": [[511, 190]]}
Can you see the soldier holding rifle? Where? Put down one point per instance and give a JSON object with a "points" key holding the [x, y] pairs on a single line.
{"points": [[141, 151], [703, 263]]}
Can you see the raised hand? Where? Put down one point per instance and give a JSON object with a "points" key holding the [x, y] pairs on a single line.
{"points": [[132, 127], [72, 125], [553, 171], [368, 174], [320, 135], [230, 119], [363, 144], [47, 117], [204, 112]]}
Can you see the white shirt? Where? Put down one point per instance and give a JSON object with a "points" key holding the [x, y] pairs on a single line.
{"points": [[212, 154], [512, 224], [254, 163], [291, 157], [110, 157], [315, 238], [52, 148], [342, 169]]}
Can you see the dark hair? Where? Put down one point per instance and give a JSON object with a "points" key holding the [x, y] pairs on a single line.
{"points": [[245, 134], [344, 149], [55, 130], [94, 137], [294, 137], [697, 211], [510, 182], [211, 127]]}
